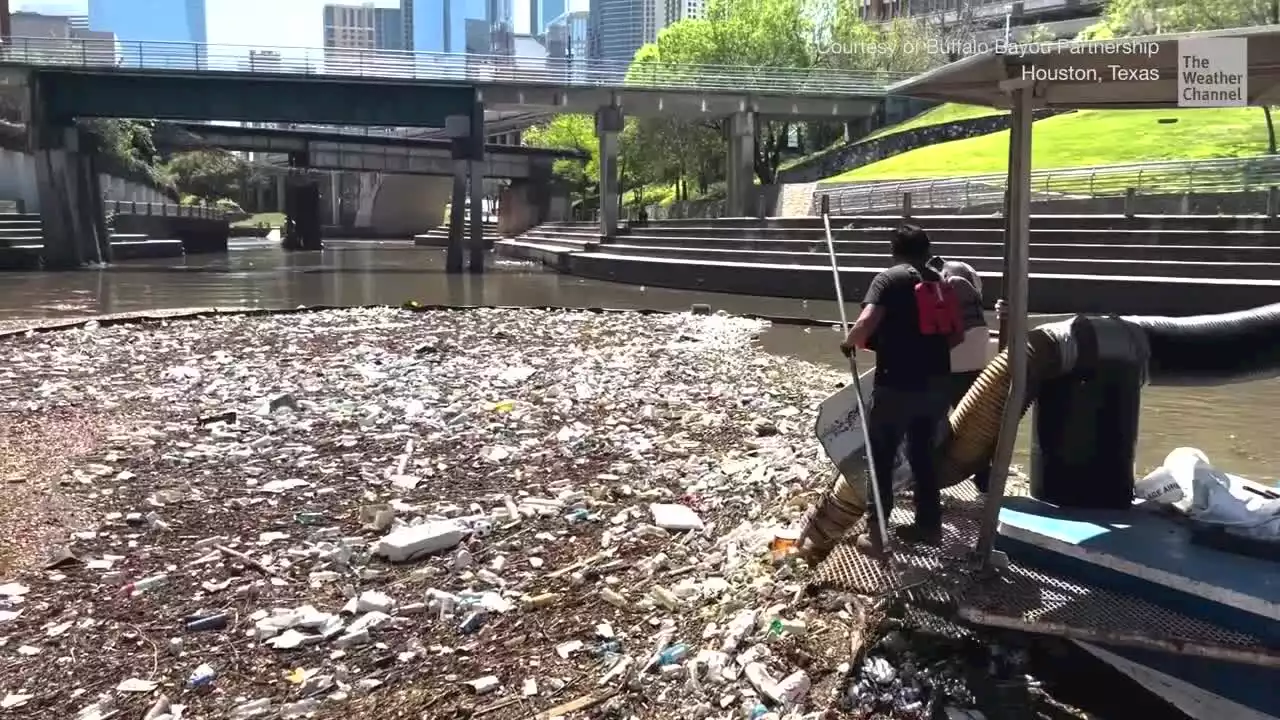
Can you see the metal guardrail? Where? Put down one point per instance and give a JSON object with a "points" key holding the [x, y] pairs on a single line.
{"points": [[132, 207], [1231, 175], [435, 67]]}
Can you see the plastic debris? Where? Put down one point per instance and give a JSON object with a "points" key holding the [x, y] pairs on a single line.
{"points": [[378, 507]]}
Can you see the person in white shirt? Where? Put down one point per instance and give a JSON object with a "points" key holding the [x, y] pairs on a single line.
{"points": [[971, 356]]}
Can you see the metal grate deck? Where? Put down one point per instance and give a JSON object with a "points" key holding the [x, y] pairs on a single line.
{"points": [[1021, 598]]}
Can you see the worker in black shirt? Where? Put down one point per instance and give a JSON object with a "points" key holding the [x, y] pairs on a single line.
{"points": [[911, 319]]}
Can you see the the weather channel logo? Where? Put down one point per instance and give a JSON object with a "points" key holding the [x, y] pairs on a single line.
{"points": [[1213, 72]]}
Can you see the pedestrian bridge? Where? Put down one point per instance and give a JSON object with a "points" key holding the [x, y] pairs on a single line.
{"points": [[197, 81]]}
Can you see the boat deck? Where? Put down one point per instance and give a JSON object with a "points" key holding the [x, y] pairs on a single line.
{"points": [[1026, 598]]}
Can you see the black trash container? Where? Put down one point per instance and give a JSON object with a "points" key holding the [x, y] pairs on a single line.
{"points": [[1084, 438]]}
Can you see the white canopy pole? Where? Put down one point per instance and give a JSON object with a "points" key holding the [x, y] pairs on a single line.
{"points": [[1018, 238]]}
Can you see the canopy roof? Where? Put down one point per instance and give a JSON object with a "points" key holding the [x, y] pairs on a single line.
{"points": [[1093, 74]]}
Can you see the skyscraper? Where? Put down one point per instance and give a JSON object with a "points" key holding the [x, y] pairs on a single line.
{"points": [[618, 27], [175, 21], [164, 20], [363, 27], [484, 27], [542, 12]]}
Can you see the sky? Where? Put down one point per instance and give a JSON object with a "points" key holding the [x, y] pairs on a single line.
{"points": [[274, 23]]}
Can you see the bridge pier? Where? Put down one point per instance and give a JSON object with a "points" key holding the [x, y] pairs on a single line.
{"points": [[71, 211], [475, 143], [302, 209], [609, 122], [740, 131], [467, 135]]}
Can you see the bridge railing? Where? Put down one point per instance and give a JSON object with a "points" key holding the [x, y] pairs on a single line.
{"points": [[131, 207], [1196, 177], [468, 68]]}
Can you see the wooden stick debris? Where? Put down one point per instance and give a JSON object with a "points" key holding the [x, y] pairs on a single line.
{"points": [[581, 703], [248, 561]]}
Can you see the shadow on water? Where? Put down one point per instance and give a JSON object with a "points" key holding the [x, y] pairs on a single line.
{"points": [[1231, 424]]}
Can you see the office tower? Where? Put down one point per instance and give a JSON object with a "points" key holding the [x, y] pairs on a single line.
{"points": [[620, 27], [164, 20], [55, 32], [362, 27], [542, 12], [485, 27], [567, 36], [406, 20]]}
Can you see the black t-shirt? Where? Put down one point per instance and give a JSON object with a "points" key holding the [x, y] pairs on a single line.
{"points": [[904, 356]]}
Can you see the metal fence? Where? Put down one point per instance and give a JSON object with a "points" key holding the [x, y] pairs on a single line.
{"points": [[488, 69], [1197, 177], [131, 207]]}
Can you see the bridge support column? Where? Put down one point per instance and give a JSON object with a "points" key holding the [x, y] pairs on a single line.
{"points": [[740, 169], [475, 143], [467, 134], [70, 200], [609, 122]]}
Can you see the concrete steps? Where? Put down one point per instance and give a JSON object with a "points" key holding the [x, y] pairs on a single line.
{"points": [[1084, 264], [987, 222], [439, 236], [986, 265]]}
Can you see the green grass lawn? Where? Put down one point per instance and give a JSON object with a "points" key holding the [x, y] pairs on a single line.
{"points": [[271, 219], [1087, 137], [939, 115]]}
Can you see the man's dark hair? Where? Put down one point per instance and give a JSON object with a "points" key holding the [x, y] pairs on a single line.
{"points": [[910, 242]]}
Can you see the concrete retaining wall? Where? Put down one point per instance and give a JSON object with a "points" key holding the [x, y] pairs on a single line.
{"points": [[198, 235], [18, 182]]}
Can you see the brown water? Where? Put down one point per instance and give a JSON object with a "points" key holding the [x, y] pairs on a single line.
{"points": [[1234, 425]]}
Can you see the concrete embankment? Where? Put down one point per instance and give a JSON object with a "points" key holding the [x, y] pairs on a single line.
{"points": [[1093, 263], [132, 237]]}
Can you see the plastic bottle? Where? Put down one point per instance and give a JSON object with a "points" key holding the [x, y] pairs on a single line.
{"points": [[673, 654]]}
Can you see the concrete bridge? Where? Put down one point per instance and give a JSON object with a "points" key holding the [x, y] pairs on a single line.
{"points": [[415, 185], [67, 79]]}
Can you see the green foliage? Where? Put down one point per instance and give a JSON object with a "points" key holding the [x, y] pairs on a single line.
{"points": [[1149, 17], [127, 149], [208, 174], [761, 34]]}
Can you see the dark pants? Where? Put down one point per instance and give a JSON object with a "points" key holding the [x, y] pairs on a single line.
{"points": [[960, 384], [914, 414]]}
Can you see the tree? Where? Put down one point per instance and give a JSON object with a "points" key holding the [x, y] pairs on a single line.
{"points": [[762, 34], [571, 132], [208, 174], [1148, 17]]}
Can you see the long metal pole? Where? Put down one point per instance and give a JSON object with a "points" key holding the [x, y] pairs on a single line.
{"points": [[882, 522], [1019, 184]]}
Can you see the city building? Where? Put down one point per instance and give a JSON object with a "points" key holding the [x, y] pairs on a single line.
{"points": [[677, 10], [157, 20], [57, 33], [618, 28], [406, 22], [567, 36], [480, 27], [542, 12], [1061, 18], [363, 27]]}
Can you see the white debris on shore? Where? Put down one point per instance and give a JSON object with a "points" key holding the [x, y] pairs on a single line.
{"points": [[496, 512]]}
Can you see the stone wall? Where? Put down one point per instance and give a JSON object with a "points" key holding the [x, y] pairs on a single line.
{"points": [[18, 182]]}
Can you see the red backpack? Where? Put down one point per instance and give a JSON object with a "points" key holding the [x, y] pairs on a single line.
{"points": [[938, 307]]}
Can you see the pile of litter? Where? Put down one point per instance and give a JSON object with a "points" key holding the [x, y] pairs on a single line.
{"points": [[378, 513]]}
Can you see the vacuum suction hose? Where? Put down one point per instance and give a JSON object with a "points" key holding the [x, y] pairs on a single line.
{"points": [[1201, 350]]}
